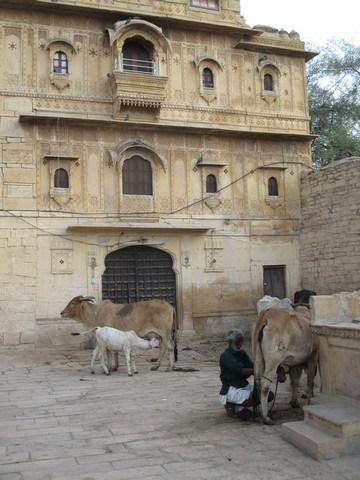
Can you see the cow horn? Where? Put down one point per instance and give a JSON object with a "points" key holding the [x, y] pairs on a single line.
{"points": [[87, 299]]}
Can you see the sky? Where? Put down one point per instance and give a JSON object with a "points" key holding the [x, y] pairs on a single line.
{"points": [[316, 20]]}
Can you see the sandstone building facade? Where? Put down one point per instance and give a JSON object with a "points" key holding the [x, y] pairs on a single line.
{"points": [[148, 149]]}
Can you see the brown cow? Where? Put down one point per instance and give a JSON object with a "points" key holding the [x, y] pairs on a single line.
{"points": [[284, 338], [151, 316]]}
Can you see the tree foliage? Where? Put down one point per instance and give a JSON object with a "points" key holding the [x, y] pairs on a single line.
{"points": [[334, 98]]}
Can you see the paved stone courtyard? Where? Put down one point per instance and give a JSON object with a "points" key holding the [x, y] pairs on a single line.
{"points": [[59, 422]]}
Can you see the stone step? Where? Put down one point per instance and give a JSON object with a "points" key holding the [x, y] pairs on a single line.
{"points": [[340, 417], [312, 440]]}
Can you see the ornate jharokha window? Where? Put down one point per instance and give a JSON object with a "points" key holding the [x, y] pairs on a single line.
{"points": [[211, 184], [207, 78], [210, 4], [60, 63], [137, 176], [268, 82], [61, 178], [137, 57], [273, 187]]}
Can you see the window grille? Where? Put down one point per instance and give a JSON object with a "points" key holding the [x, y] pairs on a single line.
{"points": [[207, 78], [135, 58], [60, 63]]}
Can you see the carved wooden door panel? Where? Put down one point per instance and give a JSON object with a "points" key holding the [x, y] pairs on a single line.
{"points": [[138, 273]]}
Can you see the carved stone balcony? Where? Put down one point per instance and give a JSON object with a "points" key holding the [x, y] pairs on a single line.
{"points": [[136, 89]]}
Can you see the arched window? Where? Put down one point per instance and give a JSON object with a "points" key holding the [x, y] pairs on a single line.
{"points": [[268, 82], [273, 187], [136, 57], [137, 176], [207, 78], [61, 178], [60, 63], [211, 184]]}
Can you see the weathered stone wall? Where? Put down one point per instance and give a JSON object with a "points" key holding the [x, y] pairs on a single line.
{"points": [[330, 248]]}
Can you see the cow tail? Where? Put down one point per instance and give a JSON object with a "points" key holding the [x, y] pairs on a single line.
{"points": [[175, 335]]}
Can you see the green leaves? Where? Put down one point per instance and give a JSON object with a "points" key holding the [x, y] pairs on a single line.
{"points": [[334, 98]]}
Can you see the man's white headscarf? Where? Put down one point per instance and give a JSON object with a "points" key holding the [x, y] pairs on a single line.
{"points": [[234, 334]]}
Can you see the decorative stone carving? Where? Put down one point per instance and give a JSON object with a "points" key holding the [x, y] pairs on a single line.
{"points": [[273, 202], [213, 202], [61, 257], [60, 81]]}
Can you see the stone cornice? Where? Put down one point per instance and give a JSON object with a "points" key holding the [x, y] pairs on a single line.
{"points": [[167, 124], [267, 47]]}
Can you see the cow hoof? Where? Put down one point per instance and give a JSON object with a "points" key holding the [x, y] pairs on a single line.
{"points": [[268, 421], [92, 372], [155, 367], [136, 373], [130, 375], [153, 360], [108, 374], [294, 404]]}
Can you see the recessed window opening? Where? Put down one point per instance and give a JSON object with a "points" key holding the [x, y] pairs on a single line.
{"points": [[273, 187], [207, 78], [60, 63], [137, 56], [268, 82], [137, 176], [210, 4], [61, 178], [211, 184]]}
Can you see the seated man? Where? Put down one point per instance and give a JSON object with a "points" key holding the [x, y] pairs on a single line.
{"points": [[235, 367]]}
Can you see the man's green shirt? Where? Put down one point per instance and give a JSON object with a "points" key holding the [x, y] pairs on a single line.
{"points": [[231, 364]]}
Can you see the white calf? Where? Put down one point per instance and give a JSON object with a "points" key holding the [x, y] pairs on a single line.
{"points": [[112, 340]]}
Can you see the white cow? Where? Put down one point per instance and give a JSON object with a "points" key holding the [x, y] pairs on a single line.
{"points": [[112, 340]]}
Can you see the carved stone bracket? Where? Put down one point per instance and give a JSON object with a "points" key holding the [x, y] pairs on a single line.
{"points": [[273, 202]]}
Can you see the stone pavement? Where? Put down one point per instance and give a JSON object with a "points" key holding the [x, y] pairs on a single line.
{"points": [[58, 422]]}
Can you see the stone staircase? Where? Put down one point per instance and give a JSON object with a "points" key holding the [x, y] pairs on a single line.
{"points": [[330, 428]]}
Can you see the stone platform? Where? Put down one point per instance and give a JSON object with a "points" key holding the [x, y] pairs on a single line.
{"points": [[59, 422]]}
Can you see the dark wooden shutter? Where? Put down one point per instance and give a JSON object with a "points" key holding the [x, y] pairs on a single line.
{"points": [[137, 176], [61, 178], [268, 82], [273, 187], [211, 186]]}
